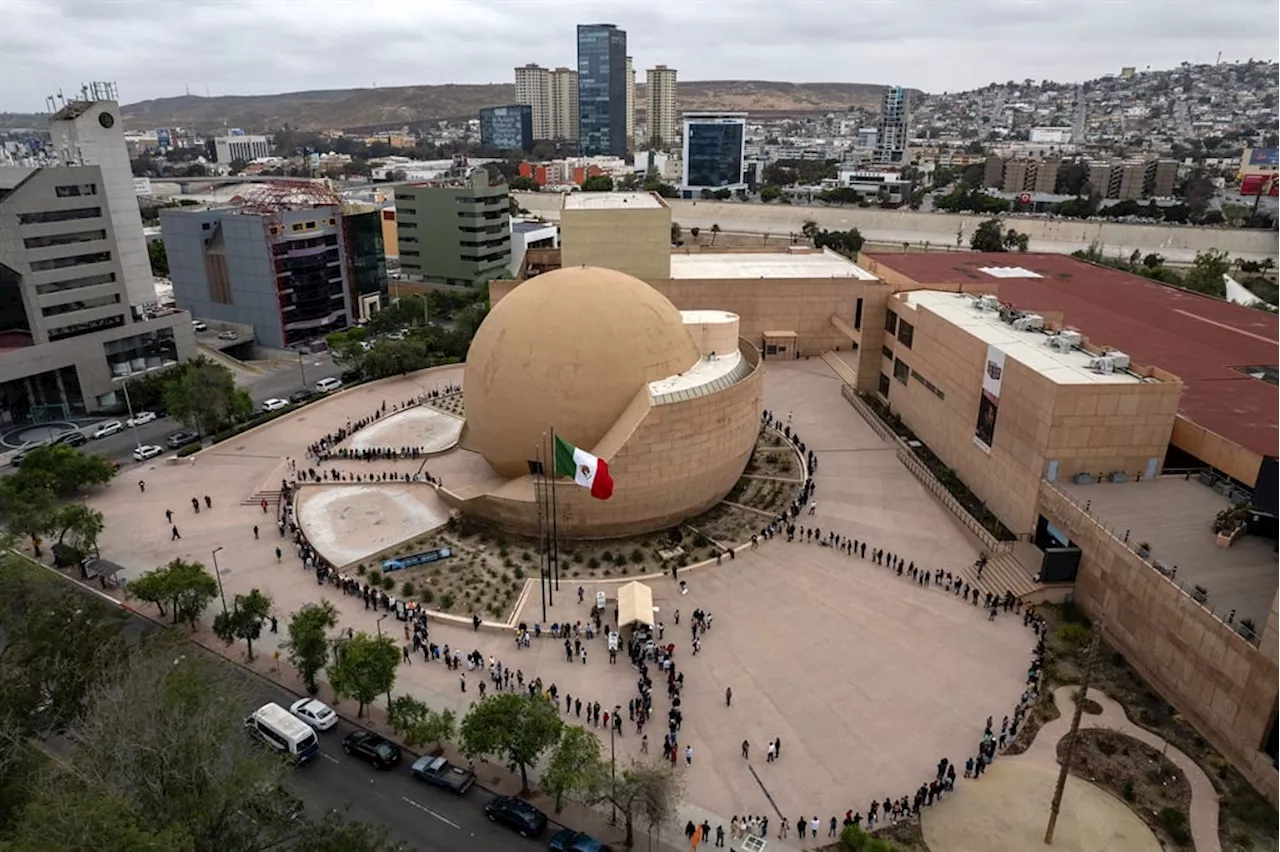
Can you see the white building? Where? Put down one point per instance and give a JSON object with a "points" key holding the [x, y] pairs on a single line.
{"points": [[1050, 135], [247, 148]]}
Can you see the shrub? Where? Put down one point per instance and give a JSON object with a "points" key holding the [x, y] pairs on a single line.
{"points": [[189, 449], [360, 569], [1074, 635], [407, 589], [593, 563], [526, 556], [446, 602], [388, 582], [620, 559], [577, 558], [427, 596], [507, 563], [637, 556], [519, 572], [1129, 794], [1071, 612], [1106, 746], [375, 577], [1174, 822], [504, 552]]}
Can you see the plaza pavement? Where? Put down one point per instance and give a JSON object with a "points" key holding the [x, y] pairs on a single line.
{"points": [[867, 678]]}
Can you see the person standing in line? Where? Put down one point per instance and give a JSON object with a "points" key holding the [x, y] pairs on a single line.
{"points": [[814, 826], [728, 696], [462, 680], [800, 827], [688, 755], [746, 748]]}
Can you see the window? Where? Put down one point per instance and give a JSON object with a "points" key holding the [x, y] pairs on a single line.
{"points": [[296, 227], [886, 352], [70, 260], [857, 316], [407, 211], [884, 385], [59, 216], [906, 333], [79, 328], [901, 371], [408, 239], [928, 385], [75, 283], [64, 239], [82, 305], [408, 253], [311, 226], [891, 322], [75, 190]]}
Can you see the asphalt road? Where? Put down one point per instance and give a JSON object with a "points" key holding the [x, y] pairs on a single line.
{"points": [[420, 817]]}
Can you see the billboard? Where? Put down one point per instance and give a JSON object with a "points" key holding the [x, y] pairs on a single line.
{"points": [[1269, 157], [984, 432], [1260, 185], [164, 140]]}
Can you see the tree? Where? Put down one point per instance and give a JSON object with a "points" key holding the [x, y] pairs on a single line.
{"points": [[598, 183], [693, 232], [365, 667], [418, 724], [186, 586], [988, 236], [335, 833], [810, 230], [723, 194], [1014, 240], [244, 620], [206, 398], [159, 258], [516, 726], [770, 193], [521, 183], [675, 233], [62, 470], [308, 644], [715, 231], [574, 766], [645, 791], [1207, 271], [67, 816], [83, 525]]}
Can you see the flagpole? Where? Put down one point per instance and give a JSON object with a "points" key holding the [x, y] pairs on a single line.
{"points": [[555, 520], [539, 474]]}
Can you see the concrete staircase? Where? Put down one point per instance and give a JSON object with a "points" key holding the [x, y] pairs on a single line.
{"points": [[272, 498], [846, 374], [1004, 573]]}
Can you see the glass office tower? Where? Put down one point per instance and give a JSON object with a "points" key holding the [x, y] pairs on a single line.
{"points": [[602, 90], [714, 151]]}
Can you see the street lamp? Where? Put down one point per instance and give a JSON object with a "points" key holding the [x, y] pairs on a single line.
{"points": [[302, 369], [133, 422], [613, 775], [218, 574], [379, 625]]}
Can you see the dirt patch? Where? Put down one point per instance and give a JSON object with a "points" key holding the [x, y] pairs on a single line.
{"points": [[1045, 710], [454, 403], [1138, 774], [1246, 821], [903, 836]]}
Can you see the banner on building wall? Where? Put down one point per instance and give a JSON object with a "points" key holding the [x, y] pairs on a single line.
{"points": [[989, 405]]}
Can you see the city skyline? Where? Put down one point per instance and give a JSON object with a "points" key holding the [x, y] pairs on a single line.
{"points": [[235, 47]]}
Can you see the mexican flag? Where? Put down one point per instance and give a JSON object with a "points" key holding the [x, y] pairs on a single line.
{"points": [[584, 468]]}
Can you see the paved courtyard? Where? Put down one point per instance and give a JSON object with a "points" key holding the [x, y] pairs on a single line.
{"points": [[867, 678]]}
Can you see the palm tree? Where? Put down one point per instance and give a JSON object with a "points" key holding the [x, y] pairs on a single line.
{"points": [[715, 229]]}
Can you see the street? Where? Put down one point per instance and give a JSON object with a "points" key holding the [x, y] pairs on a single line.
{"points": [[416, 815]]}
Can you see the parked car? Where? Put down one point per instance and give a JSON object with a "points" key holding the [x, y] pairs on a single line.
{"points": [[516, 814], [147, 451], [301, 395], [16, 458], [568, 840], [181, 439], [109, 427], [196, 325], [327, 385], [371, 748], [317, 714], [439, 772], [71, 439], [275, 404], [142, 418], [227, 335]]}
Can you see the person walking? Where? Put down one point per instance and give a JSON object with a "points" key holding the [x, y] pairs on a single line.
{"points": [[255, 532], [728, 696], [176, 535], [142, 486], [746, 748], [688, 755], [168, 516]]}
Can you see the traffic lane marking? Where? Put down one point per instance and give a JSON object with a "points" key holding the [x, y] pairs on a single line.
{"points": [[428, 810], [330, 758]]}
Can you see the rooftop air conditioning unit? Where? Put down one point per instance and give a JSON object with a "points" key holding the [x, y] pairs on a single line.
{"points": [[1121, 360], [987, 303], [1028, 322], [1068, 340], [1102, 365]]}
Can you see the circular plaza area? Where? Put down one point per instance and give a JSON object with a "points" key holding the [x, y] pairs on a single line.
{"points": [[866, 677]]}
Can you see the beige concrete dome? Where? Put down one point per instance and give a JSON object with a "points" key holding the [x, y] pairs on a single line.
{"points": [[569, 349]]}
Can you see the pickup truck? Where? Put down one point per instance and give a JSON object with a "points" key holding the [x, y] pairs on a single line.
{"points": [[441, 773]]}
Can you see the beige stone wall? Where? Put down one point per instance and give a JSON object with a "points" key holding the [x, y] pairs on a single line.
{"points": [[1216, 679], [636, 241], [720, 336], [1215, 450], [1092, 428], [678, 462]]}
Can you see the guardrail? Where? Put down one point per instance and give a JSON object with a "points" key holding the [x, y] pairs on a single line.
{"points": [[877, 425]]}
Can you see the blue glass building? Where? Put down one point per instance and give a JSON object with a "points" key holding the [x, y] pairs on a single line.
{"points": [[507, 128], [602, 90], [714, 151]]}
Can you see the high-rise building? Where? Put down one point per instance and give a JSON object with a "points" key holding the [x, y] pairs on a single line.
{"points": [[891, 141], [660, 106], [714, 151], [602, 90], [533, 89], [281, 262], [454, 230], [507, 128], [564, 105], [90, 133], [245, 147], [631, 103], [70, 330]]}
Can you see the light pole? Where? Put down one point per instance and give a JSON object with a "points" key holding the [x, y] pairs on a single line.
{"points": [[129, 407], [613, 777], [380, 618], [218, 574], [302, 369]]}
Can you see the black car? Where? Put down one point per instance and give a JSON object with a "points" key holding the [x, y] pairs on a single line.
{"points": [[71, 439], [371, 748], [518, 815], [301, 395], [181, 439]]}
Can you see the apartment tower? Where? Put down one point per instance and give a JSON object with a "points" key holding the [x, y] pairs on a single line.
{"points": [[891, 143], [564, 104], [533, 89], [631, 103], [660, 107], [602, 90]]}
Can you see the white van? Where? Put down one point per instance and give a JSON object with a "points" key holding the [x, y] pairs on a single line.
{"points": [[278, 729], [329, 384]]}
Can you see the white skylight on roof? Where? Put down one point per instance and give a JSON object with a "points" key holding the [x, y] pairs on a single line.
{"points": [[1010, 272]]}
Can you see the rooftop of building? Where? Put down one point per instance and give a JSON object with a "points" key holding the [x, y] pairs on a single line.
{"points": [[1204, 341], [612, 201], [11, 176], [526, 227], [1028, 348], [802, 263]]}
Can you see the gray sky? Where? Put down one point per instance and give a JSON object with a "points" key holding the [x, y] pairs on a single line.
{"points": [[156, 48]]}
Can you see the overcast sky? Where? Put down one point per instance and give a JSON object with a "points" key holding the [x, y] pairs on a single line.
{"points": [[157, 48]]}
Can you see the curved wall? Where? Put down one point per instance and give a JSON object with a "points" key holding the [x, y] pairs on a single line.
{"points": [[673, 461]]}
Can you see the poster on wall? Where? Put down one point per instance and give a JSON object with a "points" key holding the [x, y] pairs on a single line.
{"points": [[989, 405]]}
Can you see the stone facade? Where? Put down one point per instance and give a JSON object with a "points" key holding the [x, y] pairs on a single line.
{"points": [[1220, 682]]}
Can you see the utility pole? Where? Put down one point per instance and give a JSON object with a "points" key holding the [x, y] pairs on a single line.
{"points": [[1085, 679], [218, 574]]}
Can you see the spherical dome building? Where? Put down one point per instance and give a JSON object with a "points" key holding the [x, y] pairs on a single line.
{"points": [[610, 364], [569, 350]]}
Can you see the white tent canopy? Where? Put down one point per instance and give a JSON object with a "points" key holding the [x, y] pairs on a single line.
{"points": [[635, 605]]}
